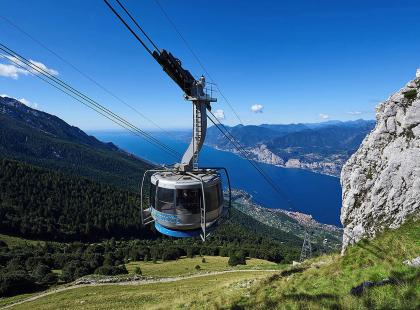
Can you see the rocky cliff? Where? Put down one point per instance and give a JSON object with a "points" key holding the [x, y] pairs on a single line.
{"points": [[381, 181]]}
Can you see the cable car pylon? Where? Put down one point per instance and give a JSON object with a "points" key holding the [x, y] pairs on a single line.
{"points": [[306, 251]]}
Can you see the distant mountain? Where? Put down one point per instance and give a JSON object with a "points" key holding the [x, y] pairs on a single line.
{"points": [[319, 147], [45, 140]]}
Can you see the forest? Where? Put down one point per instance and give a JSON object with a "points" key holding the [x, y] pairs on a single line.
{"points": [[92, 227]]}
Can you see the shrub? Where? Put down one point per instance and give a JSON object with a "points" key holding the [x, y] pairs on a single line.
{"points": [[138, 271], [410, 94], [16, 282], [237, 259], [197, 267], [43, 275], [73, 270], [111, 270], [190, 253]]}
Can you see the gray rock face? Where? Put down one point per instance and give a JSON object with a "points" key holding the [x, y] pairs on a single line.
{"points": [[413, 263], [381, 181]]}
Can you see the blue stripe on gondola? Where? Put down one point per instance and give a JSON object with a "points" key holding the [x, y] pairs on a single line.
{"points": [[177, 233], [190, 233]]}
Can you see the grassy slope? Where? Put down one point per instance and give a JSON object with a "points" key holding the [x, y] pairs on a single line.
{"points": [[324, 284], [328, 280], [12, 241], [220, 287], [186, 266], [195, 293]]}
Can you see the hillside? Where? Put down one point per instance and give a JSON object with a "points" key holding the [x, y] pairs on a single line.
{"points": [[326, 282], [322, 283], [319, 147], [43, 139], [45, 204]]}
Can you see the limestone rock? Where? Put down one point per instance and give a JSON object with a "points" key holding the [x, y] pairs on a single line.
{"points": [[381, 181], [413, 263]]}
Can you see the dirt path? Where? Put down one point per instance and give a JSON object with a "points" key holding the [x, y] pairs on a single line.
{"points": [[135, 282]]}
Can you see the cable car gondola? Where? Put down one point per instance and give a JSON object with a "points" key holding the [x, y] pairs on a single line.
{"points": [[186, 200]]}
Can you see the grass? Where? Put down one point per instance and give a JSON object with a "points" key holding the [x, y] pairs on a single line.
{"points": [[320, 283], [205, 292], [326, 282], [10, 300], [16, 241], [186, 266], [212, 290]]}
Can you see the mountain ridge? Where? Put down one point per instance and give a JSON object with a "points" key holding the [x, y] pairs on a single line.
{"points": [[45, 140], [318, 147]]}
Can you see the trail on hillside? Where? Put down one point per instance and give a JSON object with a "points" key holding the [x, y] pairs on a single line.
{"points": [[134, 282]]}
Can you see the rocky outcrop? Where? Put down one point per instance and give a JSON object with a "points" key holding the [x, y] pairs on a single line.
{"points": [[264, 155], [381, 181]]}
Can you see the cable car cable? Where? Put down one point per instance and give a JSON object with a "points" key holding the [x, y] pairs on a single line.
{"points": [[138, 26], [266, 177], [128, 27], [18, 60], [41, 76], [88, 77], [237, 145], [68, 87], [197, 59], [93, 107], [243, 151]]}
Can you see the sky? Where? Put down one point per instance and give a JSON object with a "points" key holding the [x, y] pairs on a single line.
{"points": [[275, 61]]}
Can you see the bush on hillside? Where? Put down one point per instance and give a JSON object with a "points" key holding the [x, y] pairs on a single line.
{"points": [[237, 258], [16, 282], [111, 270], [74, 269]]}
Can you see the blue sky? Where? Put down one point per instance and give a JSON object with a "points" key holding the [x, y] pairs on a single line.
{"points": [[302, 61]]}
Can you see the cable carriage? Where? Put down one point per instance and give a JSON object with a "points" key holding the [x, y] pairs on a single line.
{"points": [[186, 200]]}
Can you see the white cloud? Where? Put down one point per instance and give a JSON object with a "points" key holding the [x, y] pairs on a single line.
{"points": [[11, 71], [323, 116], [354, 113], [257, 108], [4, 95], [43, 67], [17, 68], [220, 114]]}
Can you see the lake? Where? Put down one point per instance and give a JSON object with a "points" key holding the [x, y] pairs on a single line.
{"points": [[308, 192]]}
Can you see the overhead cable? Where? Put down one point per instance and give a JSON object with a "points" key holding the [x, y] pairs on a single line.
{"points": [[41, 73]]}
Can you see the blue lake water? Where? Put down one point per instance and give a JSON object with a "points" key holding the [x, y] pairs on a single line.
{"points": [[311, 193]]}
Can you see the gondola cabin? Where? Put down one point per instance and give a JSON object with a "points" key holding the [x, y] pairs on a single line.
{"points": [[188, 204]]}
